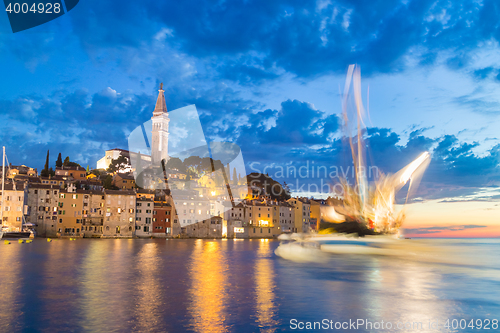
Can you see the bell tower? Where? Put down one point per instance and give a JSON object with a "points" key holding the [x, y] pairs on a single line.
{"points": [[160, 120]]}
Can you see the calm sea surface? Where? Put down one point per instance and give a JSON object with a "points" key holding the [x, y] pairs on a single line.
{"points": [[235, 286]]}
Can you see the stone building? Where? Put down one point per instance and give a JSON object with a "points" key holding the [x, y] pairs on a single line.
{"points": [[302, 214], [119, 220], [43, 202], [144, 216], [93, 213], [15, 205], [209, 228], [286, 217], [70, 214], [162, 219], [124, 181], [74, 172]]}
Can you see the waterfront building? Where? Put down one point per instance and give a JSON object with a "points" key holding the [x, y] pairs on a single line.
{"points": [[263, 219], [302, 214], [286, 217], [42, 211], [93, 213], [236, 221], [162, 219], [316, 213], [191, 208], [209, 228], [144, 215], [15, 205], [119, 220], [70, 214]]}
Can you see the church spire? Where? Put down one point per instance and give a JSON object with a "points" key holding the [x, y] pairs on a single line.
{"points": [[161, 106]]}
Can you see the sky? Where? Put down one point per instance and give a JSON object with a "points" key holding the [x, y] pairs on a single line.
{"points": [[268, 76]]}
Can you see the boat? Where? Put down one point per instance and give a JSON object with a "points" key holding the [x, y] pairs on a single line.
{"points": [[8, 232]]}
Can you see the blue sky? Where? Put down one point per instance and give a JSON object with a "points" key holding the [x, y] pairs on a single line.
{"points": [[265, 75]]}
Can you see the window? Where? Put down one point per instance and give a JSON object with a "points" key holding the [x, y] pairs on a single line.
{"points": [[117, 229], [36, 191]]}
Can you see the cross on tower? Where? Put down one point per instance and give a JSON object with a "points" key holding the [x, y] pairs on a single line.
{"points": [[161, 86]]}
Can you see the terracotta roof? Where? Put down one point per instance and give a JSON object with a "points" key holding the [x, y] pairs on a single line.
{"points": [[119, 192]]}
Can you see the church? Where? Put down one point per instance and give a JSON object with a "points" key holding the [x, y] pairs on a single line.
{"points": [[159, 138], [160, 120]]}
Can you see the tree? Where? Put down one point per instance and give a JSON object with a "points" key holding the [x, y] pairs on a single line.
{"points": [[68, 163], [52, 172], [45, 171], [119, 164], [59, 162], [88, 169], [194, 162], [108, 183], [175, 163]]}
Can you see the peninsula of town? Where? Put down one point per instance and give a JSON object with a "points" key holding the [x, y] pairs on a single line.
{"points": [[110, 202]]}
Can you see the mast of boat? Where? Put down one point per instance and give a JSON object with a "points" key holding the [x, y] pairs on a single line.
{"points": [[3, 185]]}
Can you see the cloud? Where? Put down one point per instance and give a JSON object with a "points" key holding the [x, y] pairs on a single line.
{"points": [[250, 42], [436, 230]]}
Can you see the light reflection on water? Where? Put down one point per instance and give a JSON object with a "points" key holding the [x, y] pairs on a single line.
{"points": [[265, 280], [228, 286], [208, 271]]}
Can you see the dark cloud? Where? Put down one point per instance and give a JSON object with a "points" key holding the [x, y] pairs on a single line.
{"points": [[248, 42]]}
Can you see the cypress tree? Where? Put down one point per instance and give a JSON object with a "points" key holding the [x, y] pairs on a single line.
{"points": [[59, 161], [45, 171]]}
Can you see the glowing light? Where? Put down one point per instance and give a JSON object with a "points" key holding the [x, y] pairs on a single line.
{"points": [[264, 223], [410, 169], [371, 204], [238, 230]]}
